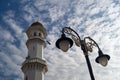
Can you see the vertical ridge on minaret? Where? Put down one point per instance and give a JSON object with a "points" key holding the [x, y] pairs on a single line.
{"points": [[34, 67]]}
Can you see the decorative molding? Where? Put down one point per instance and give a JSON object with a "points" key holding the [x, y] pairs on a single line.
{"points": [[34, 63]]}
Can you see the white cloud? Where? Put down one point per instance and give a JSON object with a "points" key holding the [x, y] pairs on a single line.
{"points": [[9, 67], [56, 13], [13, 25], [98, 19], [6, 35], [95, 11]]}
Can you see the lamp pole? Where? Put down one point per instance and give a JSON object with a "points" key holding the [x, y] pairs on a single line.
{"points": [[85, 51], [89, 67], [64, 43]]}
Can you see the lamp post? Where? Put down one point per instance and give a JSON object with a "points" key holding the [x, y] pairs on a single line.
{"points": [[64, 43]]}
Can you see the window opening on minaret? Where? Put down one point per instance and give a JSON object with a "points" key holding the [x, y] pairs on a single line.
{"points": [[35, 34], [39, 34]]}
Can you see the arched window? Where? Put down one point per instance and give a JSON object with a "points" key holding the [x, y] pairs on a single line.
{"points": [[40, 34], [35, 34]]}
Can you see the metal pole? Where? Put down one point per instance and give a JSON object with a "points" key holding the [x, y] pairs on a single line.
{"points": [[89, 67], [83, 47]]}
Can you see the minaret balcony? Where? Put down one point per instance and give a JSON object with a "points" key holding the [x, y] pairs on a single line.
{"points": [[34, 63], [34, 60]]}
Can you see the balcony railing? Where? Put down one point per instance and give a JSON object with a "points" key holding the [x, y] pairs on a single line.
{"points": [[33, 60]]}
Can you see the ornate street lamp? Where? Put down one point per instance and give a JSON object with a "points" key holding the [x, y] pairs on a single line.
{"points": [[102, 58], [64, 43]]}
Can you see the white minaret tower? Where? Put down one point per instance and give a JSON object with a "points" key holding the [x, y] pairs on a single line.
{"points": [[34, 67]]}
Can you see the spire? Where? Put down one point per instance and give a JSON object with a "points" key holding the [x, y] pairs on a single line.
{"points": [[36, 23]]}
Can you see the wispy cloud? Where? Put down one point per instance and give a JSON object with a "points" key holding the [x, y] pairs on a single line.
{"points": [[98, 19]]}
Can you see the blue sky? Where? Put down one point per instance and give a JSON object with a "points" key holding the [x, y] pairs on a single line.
{"points": [[97, 19]]}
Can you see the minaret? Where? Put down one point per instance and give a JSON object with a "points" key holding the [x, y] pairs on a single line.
{"points": [[34, 67]]}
